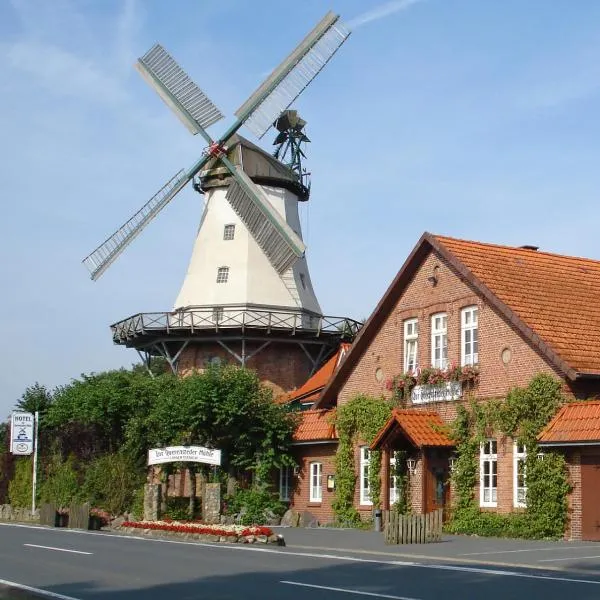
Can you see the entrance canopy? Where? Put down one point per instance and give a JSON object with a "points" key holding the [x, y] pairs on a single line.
{"points": [[419, 428]]}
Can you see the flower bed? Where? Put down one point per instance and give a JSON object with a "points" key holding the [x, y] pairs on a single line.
{"points": [[203, 531]]}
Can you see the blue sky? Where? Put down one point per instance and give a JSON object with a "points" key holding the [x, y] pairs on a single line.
{"points": [[460, 117]]}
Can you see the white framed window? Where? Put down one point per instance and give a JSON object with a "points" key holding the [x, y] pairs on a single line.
{"points": [[285, 483], [229, 231], [488, 473], [393, 480], [519, 475], [411, 345], [469, 342], [439, 341], [365, 489], [222, 274], [316, 482]]}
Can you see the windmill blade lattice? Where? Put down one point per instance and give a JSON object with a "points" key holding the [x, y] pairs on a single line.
{"points": [[293, 75], [178, 91], [102, 257]]}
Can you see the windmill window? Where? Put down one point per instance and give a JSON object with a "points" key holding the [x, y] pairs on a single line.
{"points": [[222, 274], [229, 232], [303, 281]]}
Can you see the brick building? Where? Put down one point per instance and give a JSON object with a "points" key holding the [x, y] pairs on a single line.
{"points": [[510, 313]]}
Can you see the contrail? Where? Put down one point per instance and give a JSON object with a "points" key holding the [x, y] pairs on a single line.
{"points": [[389, 8]]}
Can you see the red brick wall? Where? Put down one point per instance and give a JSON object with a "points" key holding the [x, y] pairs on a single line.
{"points": [[281, 366], [304, 455]]}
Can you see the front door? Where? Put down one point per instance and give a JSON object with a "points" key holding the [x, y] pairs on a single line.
{"points": [[590, 492], [437, 479]]}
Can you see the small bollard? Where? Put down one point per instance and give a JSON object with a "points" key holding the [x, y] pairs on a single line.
{"points": [[377, 514]]}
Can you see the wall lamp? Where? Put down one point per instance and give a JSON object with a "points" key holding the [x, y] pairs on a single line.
{"points": [[452, 462], [411, 464]]}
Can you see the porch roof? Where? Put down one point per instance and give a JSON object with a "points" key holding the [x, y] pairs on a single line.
{"points": [[575, 423], [315, 425], [420, 428]]}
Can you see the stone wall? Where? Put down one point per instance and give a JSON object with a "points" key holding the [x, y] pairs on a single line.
{"points": [[22, 515]]}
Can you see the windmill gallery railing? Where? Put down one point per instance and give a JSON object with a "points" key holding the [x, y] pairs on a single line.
{"points": [[199, 320]]}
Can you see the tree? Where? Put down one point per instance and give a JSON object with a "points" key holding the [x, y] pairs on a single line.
{"points": [[35, 397]]}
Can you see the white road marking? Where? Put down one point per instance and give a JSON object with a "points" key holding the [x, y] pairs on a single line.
{"points": [[336, 589], [569, 558], [57, 549], [38, 591], [551, 549]]}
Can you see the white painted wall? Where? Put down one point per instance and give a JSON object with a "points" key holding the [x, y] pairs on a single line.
{"points": [[252, 279]]}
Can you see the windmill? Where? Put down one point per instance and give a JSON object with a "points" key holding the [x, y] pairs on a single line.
{"points": [[237, 320]]}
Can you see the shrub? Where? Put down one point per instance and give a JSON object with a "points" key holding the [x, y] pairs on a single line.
{"points": [[61, 485], [178, 509], [111, 482], [21, 485], [253, 505]]}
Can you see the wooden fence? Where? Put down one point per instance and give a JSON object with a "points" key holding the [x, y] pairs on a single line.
{"points": [[413, 529], [79, 516], [48, 515]]}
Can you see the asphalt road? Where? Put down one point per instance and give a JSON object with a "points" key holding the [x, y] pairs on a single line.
{"points": [[82, 565]]}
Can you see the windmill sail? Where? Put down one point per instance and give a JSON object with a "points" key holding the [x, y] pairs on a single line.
{"points": [[178, 91], [290, 78], [103, 256], [282, 246]]}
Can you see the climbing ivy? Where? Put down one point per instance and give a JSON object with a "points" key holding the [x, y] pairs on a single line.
{"points": [[522, 416], [358, 420]]}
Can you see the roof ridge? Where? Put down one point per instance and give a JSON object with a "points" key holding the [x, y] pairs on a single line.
{"points": [[441, 238]]}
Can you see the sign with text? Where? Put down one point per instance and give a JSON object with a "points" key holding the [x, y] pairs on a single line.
{"points": [[21, 433], [442, 392], [209, 456]]}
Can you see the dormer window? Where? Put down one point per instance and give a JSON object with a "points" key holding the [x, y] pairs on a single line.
{"points": [[229, 231], [222, 274]]}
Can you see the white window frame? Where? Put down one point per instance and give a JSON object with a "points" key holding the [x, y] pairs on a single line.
{"points": [[439, 340], [394, 496], [489, 458], [222, 274], [229, 232], [365, 465], [411, 345], [285, 483], [519, 456], [316, 482], [469, 336]]}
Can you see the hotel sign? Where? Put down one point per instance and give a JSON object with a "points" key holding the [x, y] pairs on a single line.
{"points": [[441, 392], [21, 433], [209, 456]]}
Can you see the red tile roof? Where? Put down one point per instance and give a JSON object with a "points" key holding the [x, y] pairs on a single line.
{"points": [[574, 422], [315, 425], [556, 296], [312, 388], [421, 428]]}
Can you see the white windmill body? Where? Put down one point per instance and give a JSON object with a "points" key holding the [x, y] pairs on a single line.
{"points": [[228, 270]]}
